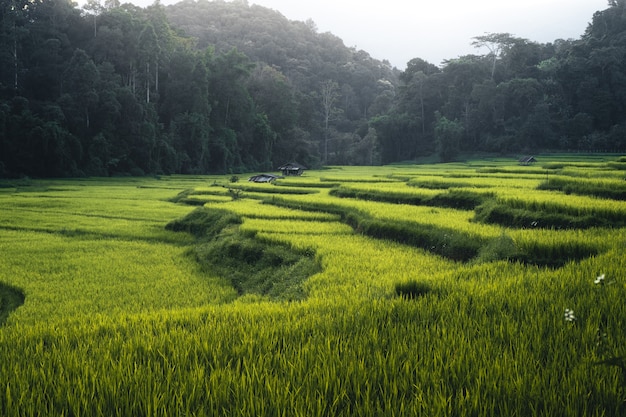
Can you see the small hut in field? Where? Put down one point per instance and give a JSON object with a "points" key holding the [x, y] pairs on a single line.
{"points": [[527, 160], [264, 178], [291, 168]]}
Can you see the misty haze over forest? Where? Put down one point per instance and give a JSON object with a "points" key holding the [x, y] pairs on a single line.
{"points": [[228, 87]]}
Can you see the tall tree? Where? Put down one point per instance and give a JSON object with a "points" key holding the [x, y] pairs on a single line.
{"points": [[80, 81], [14, 18], [94, 8], [495, 43], [150, 51], [329, 92]]}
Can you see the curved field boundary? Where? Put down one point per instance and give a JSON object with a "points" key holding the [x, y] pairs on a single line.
{"points": [[10, 299]]}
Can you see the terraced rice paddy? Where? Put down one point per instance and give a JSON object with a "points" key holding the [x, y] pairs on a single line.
{"points": [[481, 288]]}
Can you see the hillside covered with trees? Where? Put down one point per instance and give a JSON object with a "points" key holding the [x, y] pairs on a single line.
{"points": [[216, 87]]}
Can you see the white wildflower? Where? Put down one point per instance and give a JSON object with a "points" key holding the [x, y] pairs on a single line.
{"points": [[569, 315], [599, 280]]}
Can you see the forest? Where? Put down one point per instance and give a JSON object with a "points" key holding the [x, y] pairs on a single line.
{"points": [[205, 86]]}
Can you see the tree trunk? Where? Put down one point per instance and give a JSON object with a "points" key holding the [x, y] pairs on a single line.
{"points": [[15, 64], [329, 95]]}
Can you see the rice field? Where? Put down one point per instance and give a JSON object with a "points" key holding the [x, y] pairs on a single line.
{"points": [[108, 313]]}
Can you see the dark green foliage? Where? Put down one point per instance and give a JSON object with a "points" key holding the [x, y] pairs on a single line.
{"points": [[252, 265], [621, 165], [555, 165], [310, 206], [514, 171], [448, 243], [270, 189], [555, 256], [204, 223], [501, 248], [237, 192], [459, 199], [612, 191], [10, 299], [494, 212], [459, 246], [371, 195], [321, 184], [448, 134], [149, 90], [525, 98], [412, 289], [438, 185], [225, 87], [183, 197]]}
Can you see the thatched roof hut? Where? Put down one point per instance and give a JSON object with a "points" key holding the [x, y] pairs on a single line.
{"points": [[527, 160], [292, 168], [263, 178]]}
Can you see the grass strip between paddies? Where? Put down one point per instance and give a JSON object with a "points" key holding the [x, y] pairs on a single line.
{"points": [[252, 265]]}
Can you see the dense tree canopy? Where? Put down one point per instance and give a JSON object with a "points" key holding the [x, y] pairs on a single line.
{"points": [[214, 86], [520, 97]]}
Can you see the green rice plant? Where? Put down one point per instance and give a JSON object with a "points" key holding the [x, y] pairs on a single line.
{"points": [[597, 172], [609, 354], [294, 226], [511, 170], [612, 189], [442, 183], [129, 324], [443, 241], [501, 248], [449, 243], [202, 199], [398, 197], [460, 199], [122, 222], [265, 188], [244, 359], [619, 165], [73, 277], [252, 265], [542, 209], [202, 195], [255, 266], [256, 209], [556, 248], [494, 212], [304, 183], [481, 183], [358, 179], [439, 217], [204, 222]]}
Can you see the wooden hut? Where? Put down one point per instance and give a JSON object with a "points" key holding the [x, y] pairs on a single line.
{"points": [[527, 160], [291, 168], [263, 178]]}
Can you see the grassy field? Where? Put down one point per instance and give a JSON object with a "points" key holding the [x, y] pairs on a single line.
{"points": [[467, 289]]}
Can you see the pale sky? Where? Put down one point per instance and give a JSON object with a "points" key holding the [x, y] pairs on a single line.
{"points": [[434, 30]]}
